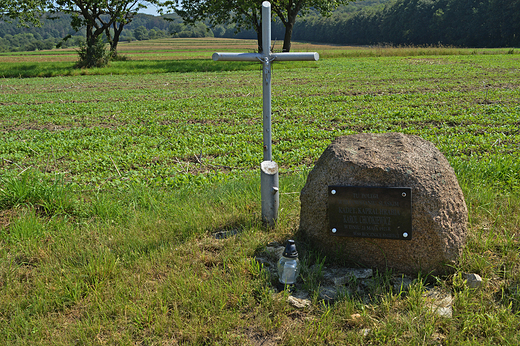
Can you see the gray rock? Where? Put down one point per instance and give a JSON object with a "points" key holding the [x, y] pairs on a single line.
{"points": [[343, 276], [225, 234], [263, 261], [473, 280], [331, 293], [274, 252], [401, 283], [360, 273], [439, 302], [439, 213], [328, 293]]}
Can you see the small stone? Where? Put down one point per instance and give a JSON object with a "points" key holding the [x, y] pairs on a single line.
{"points": [[439, 302], [298, 303], [402, 284], [263, 261], [342, 276], [366, 331], [340, 281], [473, 281], [300, 294], [445, 311], [362, 273], [328, 293], [225, 234], [355, 320], [275, 252]]}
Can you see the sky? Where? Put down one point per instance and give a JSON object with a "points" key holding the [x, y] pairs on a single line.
{"points": [[150, 10]]}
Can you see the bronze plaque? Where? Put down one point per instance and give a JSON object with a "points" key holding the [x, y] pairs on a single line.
{"points": [[370, 212]]}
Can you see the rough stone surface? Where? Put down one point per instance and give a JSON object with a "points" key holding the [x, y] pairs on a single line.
{"points": [[328, 293], [341, 276], [439, 213]]}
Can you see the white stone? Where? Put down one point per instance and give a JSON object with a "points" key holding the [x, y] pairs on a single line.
{"points": [[473, 280], [444, 311], [298, 303], [439, 302]]}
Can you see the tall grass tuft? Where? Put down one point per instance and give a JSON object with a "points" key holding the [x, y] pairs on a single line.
{"points": [[499, 172], [30, 189]]}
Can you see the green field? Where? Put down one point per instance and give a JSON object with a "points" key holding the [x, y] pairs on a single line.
{"points": [[113, 181]]}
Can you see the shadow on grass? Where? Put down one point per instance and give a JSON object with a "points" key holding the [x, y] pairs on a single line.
{"points": [[52, 69]]}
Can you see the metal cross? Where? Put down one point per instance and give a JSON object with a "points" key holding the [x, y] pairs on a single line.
{"points": [[268, 168]]}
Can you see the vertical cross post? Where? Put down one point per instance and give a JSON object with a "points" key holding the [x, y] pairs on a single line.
{"points": [[266, 79], [268, 168]]}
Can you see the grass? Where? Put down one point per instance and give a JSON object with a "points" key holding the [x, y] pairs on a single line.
{"points": [[113, 189], [141, 265]]}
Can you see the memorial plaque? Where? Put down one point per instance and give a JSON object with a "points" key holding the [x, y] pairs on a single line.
{"points": [[370, 212]]}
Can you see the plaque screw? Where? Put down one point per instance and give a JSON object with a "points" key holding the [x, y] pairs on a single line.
{"points": [[334, 230], [405, 234], [403, 194], [333, 192]]}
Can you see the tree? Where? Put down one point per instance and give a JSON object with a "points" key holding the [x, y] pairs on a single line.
{"points": [[288, 11], [123, 12], [141, 33], [246, 14], [26, 11], [100, 17]]}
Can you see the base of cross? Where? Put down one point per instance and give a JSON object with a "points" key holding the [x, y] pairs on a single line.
{"points": [[269, 192]]}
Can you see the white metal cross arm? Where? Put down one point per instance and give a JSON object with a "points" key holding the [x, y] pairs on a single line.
{"points": [[259, 56]]}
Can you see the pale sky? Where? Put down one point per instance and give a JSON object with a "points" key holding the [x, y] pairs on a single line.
{"points": [[150, 10]]}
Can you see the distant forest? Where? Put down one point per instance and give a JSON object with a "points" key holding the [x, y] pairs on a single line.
{"points": [[465, 23]]}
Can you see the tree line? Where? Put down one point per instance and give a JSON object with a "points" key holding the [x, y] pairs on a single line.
{"points": [[58, 32], [103, 22], [466, 23], [15, 36], [462, 23], [470, 23]]}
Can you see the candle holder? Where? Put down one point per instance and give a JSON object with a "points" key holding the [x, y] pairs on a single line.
{"points": [[289, 264]]}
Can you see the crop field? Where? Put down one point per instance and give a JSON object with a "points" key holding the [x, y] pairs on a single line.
{"points": [[163, 49], [113, 181], [167, 129]]}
